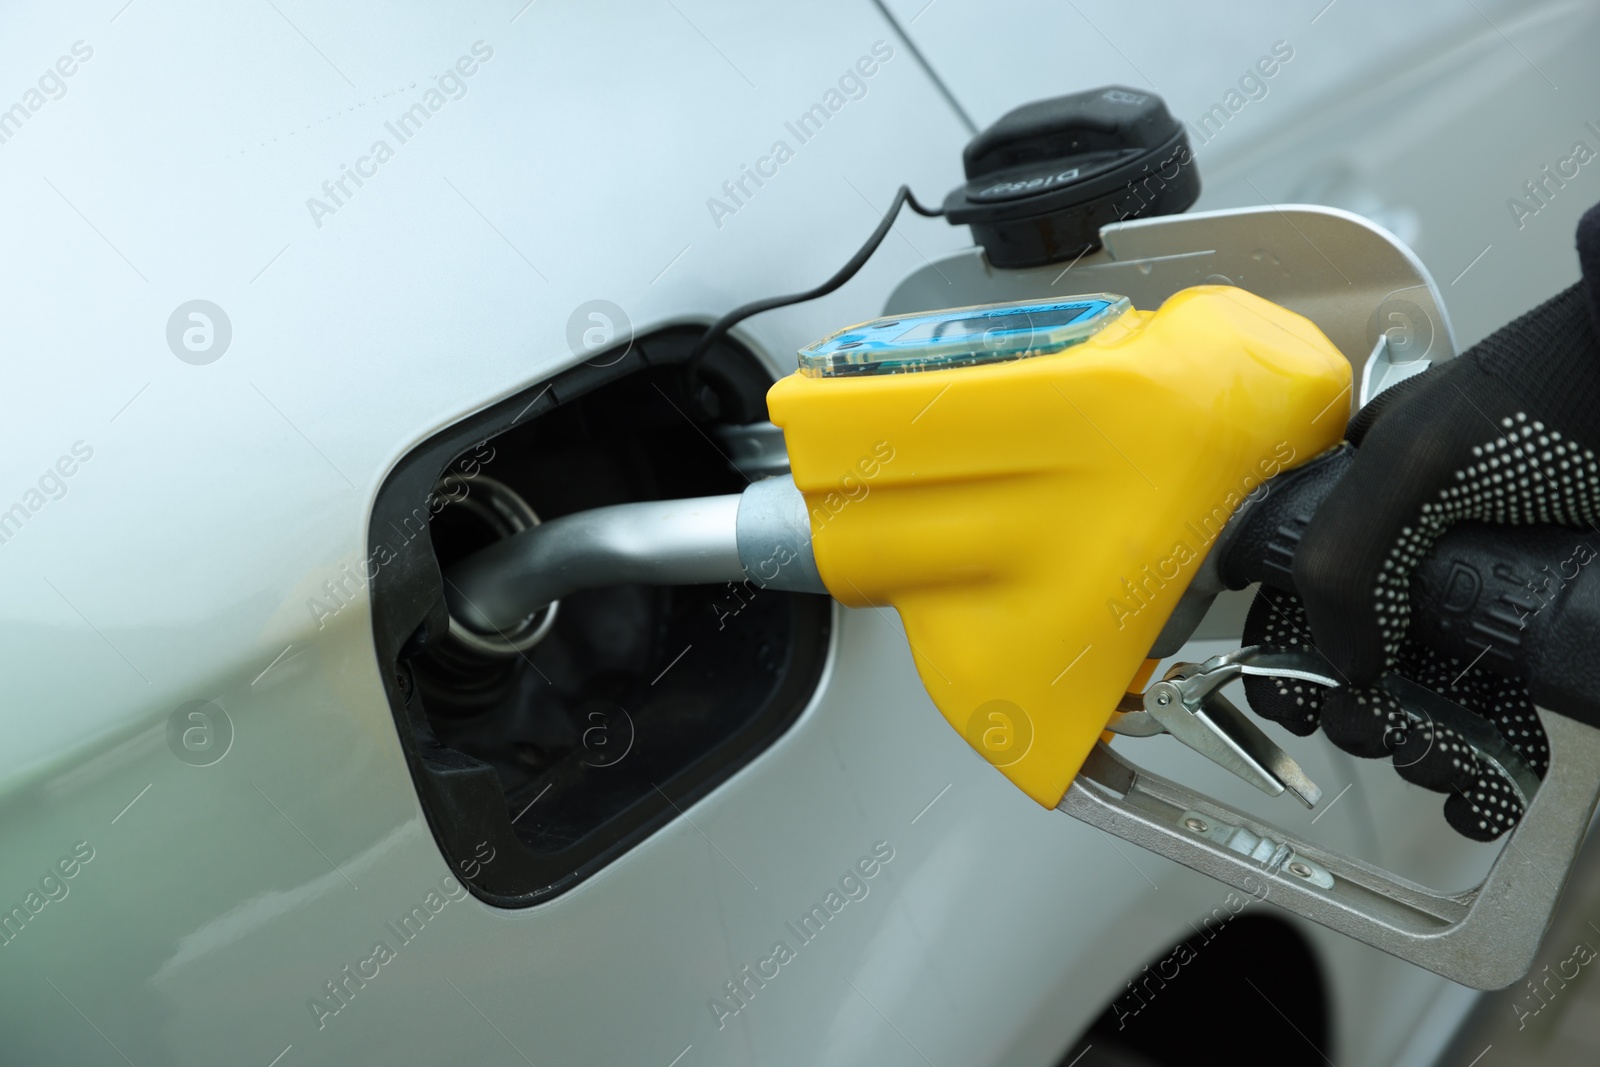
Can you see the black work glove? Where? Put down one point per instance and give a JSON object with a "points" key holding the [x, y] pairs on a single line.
{"points": [[1367, 721], [1500, 435]]}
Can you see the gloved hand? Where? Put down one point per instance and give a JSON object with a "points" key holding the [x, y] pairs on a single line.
{"points": [[1502, 434], [1367, 721]]}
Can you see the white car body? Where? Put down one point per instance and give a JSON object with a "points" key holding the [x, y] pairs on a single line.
{"points": [[185, 157]]}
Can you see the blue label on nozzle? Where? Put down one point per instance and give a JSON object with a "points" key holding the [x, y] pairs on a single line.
{"points": [[961, 337]]}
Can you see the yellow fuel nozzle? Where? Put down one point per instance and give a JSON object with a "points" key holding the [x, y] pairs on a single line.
{"points": [[1035, 520]]}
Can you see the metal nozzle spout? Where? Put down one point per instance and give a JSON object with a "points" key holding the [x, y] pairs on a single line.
{"points": [[763, 535]]}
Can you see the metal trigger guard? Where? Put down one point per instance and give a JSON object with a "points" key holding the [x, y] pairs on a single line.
{"points": [[1485, 937]]}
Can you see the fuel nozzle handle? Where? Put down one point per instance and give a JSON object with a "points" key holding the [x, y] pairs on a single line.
{"points": [[1260, 542], [1522, 601]]}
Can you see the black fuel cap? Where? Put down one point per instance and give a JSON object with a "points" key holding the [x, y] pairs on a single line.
{"points": [[1045, 177]]}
